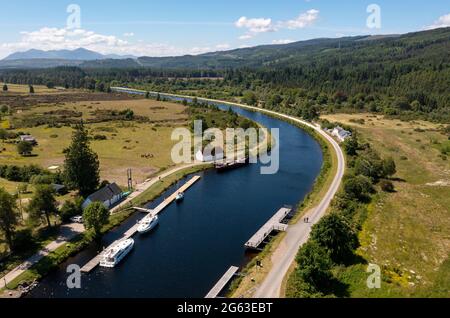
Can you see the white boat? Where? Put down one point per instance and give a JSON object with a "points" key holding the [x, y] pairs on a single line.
{"points": [[147, 224], [116, 253], [179, 197]]}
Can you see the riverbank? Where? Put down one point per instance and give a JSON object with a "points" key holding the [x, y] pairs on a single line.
{"points": [[270, 283], [145, 192], [81, 241], [252, 275]]}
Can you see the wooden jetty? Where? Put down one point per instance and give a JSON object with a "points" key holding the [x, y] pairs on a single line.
{"points": [[274, 224], [96, 260], [222, 282]]}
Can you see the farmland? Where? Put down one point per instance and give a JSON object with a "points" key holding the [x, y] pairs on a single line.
{"points": [[406, 232]]}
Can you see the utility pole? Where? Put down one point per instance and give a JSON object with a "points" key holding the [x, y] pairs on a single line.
{"points": [[130, 179]]}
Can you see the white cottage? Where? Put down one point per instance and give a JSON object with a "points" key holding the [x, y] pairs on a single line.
{"points": [[109, 195], [340, 133]]}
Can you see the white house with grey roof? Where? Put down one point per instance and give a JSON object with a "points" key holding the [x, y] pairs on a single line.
{"points": [[340, 133], [109, 195]]}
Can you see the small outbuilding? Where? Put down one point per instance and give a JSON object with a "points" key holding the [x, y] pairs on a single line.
{"points": [[109, 195], [28, 138]]}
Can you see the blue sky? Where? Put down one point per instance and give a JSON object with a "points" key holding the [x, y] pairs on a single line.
{"points": [[174, 27]]}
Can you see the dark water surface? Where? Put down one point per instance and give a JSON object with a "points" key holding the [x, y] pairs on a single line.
{"points": [[199, 239]]}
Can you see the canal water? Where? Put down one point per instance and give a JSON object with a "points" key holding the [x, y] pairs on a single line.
{"points": [[200, 238]]}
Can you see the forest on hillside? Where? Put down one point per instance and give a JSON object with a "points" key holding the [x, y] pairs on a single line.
{"points": [[406, 76]]}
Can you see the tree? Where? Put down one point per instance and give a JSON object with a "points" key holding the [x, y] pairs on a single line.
{"points": [[4, 109], [71, 208], [9, 217], [50, 85], [351, 146], [5, 87], [336, 236], [81, 165], [358, 187], [95, 216], [31, 89], [250, 98], [314, 265], [24, 148], [43, 203], [310, 113], [389, 167]]}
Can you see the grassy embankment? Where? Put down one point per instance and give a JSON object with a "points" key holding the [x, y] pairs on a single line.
{"points": [[405, 232], [252, 276]]}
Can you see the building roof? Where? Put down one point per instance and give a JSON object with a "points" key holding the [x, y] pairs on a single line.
{"points": [[106, 193], [27, 138], [342, 132]]}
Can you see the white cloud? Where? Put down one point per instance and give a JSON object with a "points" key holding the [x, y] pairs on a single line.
{"points": [[259, 25], [56, 39], [128, 34], [222, 46], [246, 36], [303, 20], [263, 25], [442, 22], [286, 41]]}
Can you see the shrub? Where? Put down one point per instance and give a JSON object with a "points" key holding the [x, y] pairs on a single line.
{"points": [[387, 186], [70, 209], [100, 137]]}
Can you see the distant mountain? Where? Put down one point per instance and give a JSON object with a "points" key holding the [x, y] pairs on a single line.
{"points": [[281, 55], [77, 55]]}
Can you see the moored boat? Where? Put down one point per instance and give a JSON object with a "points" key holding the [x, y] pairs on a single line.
{"points": [[147, 224], [116, 253], [222, 166], [179, 197]]}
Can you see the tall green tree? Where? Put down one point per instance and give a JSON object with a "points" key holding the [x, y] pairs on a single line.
{"points": [[351, 146], [336, 236], [31, 89], [9, 217], [5, 87], [95, 216], [43, 203], [81, 166], [24, 148], [389, 167], [314, 266]]}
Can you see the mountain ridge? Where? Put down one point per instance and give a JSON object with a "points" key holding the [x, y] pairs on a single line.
{"points": [[257, 56]]}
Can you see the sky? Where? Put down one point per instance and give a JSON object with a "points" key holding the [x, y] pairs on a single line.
{"points": [[177, 27]]}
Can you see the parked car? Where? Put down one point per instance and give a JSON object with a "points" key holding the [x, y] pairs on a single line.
{"points": [[77, 219]]}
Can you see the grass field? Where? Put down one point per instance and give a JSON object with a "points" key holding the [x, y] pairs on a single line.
{"points": [[143, 147], [24, 89], [407, 233]]}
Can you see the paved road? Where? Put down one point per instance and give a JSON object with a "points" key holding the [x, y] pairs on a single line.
{"points": [[297, 234]]}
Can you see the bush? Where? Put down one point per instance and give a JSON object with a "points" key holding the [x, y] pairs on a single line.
{"points": [[70, 209], [387, 186], [41, 179], [100, 137]]}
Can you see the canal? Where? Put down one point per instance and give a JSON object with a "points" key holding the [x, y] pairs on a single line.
{"points": [[199, 239]]}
